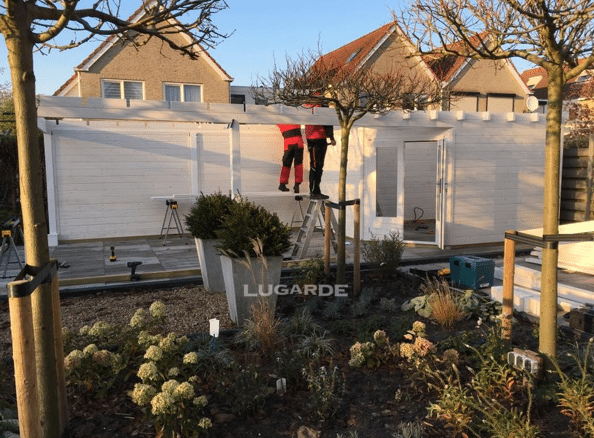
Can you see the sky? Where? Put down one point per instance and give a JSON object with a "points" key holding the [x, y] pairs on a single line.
{"points": [[261, 33]]}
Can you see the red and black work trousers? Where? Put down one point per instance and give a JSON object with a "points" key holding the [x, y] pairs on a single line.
{"points": [[293, 155], [317, 154]]}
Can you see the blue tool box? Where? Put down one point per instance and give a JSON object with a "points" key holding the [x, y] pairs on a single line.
{"points": [[471, 271]]}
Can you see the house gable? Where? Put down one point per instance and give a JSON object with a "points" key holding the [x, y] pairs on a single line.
{"points": [[491, 79], [495, 85], [151, 62], [379, 50]]}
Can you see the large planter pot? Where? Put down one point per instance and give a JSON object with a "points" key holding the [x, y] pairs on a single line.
{"points": [[209, 258], [245, 287]]}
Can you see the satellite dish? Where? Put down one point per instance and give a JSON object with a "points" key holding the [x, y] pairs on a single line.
{"points": [[532, 103]]}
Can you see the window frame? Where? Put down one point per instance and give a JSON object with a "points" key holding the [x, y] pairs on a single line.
{"points": [[121, 83], [181, 86]]}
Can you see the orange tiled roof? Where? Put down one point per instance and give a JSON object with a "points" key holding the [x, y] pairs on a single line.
{"points": [[445, 65], [354, 52], [574, 87]]}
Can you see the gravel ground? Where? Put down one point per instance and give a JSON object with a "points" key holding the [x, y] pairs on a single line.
{"points": [[188, 310]]}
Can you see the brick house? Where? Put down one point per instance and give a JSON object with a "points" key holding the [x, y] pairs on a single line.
{"points": [[477, 85], [149, 71]]}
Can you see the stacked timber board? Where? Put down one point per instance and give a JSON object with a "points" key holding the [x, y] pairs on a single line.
{"points": [[578, 256], [527, 292]]}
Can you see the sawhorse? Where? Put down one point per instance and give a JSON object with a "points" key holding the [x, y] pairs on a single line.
{"points": [[173, 215], [10, 229]]}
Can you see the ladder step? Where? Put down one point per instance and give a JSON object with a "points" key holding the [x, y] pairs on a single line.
{"points": [[314, 211]]}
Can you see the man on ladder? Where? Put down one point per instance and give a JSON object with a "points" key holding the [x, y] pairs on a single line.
{"points": [[293, 145], [318, 137]]}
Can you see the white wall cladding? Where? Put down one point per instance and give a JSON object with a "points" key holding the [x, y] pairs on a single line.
{"points": [[105, 179], [105, 161]]}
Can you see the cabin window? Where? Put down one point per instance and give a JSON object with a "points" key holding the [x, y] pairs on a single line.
{"points": [[113, 89], [386, 193], [182, 93]]}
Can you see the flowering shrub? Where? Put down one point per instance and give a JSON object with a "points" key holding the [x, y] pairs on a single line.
{"points": [[419, 346], [169, 384], [373, 354], [381, 350], [92, 369], [98, 356]]}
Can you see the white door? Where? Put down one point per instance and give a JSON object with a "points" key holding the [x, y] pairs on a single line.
{"points": [[424, 190], [441, 190]]}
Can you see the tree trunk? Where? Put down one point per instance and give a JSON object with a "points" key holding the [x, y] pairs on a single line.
{"points": [[548, 294], [341, 232], [20, 58]]}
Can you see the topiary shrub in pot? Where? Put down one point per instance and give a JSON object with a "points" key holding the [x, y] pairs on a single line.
{"points": [[205, 218], [252, 241]]}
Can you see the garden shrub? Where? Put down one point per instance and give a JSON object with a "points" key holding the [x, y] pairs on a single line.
{"points": [[576, 390], [384, 253], [207, 215], [309, 271], [326, 386]]}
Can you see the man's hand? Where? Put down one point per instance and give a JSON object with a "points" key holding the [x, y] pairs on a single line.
{"points": [[333, 142]]}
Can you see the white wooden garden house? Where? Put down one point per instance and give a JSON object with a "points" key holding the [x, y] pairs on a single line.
{"points": [[437, 178]]}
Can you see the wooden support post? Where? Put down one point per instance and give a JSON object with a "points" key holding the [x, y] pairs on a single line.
{"points": [[327, 238], [25, 371], [357, 248], [507, 311], [62, 396], [589, 179]]}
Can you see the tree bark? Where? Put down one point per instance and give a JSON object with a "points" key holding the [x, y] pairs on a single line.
{"points": [[548, 301], [20, 59], [341, 232]]}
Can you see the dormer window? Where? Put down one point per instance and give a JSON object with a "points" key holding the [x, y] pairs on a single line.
{"points": [[583, 77], [355, 53], [533, 81]]}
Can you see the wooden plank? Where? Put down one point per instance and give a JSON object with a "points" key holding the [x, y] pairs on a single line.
{"points": [[575, 172], [572, 194], [575, 162], [571, 216], [589, 179], [573, 205], [576, 184]]}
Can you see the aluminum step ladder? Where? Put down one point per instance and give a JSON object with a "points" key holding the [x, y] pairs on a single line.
{"points": [[315, 211]]}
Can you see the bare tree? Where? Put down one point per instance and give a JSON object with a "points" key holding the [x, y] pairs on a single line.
{"points": [[313, 80], [29, 25], [553, 34]]}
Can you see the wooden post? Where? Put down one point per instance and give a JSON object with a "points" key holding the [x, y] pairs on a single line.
{"points": [[507, 311], [327, 241], [357, 248], [62, 396], [589, 179], [25, 371]]}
